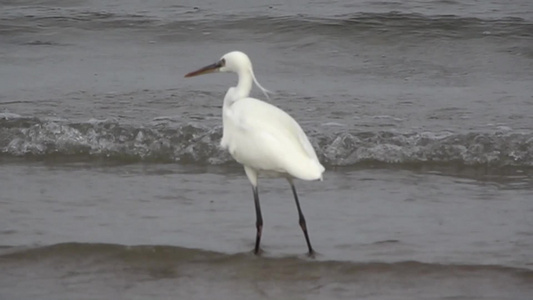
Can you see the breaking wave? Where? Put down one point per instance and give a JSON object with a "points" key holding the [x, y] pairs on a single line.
{"points": [[168, 141]]}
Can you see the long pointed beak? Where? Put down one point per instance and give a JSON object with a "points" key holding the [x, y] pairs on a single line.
{"points": [[205, 70]]}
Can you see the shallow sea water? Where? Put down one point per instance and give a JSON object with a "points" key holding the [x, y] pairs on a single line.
{"points": [[113, 186]]}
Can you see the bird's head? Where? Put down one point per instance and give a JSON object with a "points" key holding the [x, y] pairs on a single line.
{"points": [[234, 61]]}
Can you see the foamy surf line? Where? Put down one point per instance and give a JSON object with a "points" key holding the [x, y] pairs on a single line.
{"points": [[166, 141]]}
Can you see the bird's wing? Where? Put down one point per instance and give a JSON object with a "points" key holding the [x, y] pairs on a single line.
{"points": [[268, 117], [266, 138], [304, 141]]}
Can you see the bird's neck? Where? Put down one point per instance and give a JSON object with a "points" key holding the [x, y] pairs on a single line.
{"points": [[244, 86]]}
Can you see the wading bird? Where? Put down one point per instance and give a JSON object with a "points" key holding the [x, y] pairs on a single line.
{"points": [[261, 137]]}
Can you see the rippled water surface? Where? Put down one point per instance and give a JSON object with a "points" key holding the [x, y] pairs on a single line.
{"points": [[113, 186]]}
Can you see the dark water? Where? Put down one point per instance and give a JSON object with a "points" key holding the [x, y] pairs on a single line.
{"points": [[143, 272], [113, 186]]}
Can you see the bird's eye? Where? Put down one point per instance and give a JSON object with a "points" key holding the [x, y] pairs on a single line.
{"points": [[223, 62]]}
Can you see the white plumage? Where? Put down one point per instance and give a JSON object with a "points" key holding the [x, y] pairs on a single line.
{"points": [[263, 138]]}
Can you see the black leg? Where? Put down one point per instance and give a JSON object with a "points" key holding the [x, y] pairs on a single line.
{"points": [[259, 220], [302, 220]]}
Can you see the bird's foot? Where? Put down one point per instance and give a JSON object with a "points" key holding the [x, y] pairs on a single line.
{"points": [[257, 252]]}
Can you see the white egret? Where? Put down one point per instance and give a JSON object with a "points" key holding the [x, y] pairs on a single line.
{"points": [[261, 137]]}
